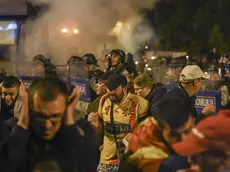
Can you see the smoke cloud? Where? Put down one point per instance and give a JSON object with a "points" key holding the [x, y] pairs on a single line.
{"points": [[75, 27]]}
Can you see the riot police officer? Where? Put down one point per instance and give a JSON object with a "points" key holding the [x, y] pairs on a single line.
{"points": [[117, 60], [43, 66], [91, 62]]}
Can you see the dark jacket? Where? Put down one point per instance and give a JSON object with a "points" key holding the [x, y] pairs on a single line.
{"points": [[178, 162], [156, 94], [180, 93], [73, 149]]}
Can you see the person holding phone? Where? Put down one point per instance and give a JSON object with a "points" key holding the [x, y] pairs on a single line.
{"points": [[46, 136]]}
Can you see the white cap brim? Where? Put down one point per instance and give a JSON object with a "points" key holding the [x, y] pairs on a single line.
{"points": [[205, 76]]}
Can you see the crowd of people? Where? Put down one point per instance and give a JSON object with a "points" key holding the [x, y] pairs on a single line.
{"points": [[131, 123]]}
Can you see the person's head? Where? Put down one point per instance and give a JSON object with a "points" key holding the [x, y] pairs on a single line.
{"points": [[39, 63], [174, 119], [143, 85], [10, 88], [208, 143], [101, 81], [48, 98], [117, 57], [214, 76], [192, 79], [90, 60], [117, 87], [77, 67]]}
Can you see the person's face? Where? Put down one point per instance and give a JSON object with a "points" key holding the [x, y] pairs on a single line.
{"points": [[173, 136], [198, 84], [143, 92], [214, 76], [90, 67], [39, 69], [47, 116], [106, 63], [101, 88], [117, 94], [204, 59], [115, 59], [9, 95]]}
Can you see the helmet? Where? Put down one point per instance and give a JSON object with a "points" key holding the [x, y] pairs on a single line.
{"points": [[50, 68], [40, 58], [73, 59], [121, 53], [90, 59]]}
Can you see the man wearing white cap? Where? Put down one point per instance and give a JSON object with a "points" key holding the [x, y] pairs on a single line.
{"points": [[191, 80]]}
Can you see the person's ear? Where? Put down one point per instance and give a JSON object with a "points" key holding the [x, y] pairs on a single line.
{"points": [[195, 82], [146, 89], [125, 88]]}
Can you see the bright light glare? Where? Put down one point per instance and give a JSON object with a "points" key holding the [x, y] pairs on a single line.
{"points": [[136, 62], [153, 57], [146, 47], [146, 65], [149, 69], [76, 31], [64, 30]]}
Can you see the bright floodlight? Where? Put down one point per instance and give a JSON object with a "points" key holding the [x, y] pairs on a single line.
{"points": [[146, 47], [136, 62], [146, 65], [64, 30], [153, 57], [76, 31]]}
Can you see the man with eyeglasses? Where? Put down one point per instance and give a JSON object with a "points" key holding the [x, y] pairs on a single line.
{"points": [[144, 87], [46, 136]]}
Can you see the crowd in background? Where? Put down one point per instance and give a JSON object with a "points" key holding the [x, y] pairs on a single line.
{"points": [[132, 122]]}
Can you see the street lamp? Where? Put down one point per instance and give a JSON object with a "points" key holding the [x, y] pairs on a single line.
{"points": [[76, 31], [64, 30]]}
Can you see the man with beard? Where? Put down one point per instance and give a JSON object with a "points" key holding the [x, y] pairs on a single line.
{"points": [[9, 94], [117, 114]]}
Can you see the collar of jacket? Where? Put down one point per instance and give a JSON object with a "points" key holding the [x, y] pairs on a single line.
{"points": [[149, 97], [185, 93]]}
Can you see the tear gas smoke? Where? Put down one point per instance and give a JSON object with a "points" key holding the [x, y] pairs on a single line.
{"points": [[74, 27]]}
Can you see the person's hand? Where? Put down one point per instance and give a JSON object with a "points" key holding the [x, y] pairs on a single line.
{"points": [[93, 119], [22, 93], [209, 109], [23, 120], [72, 102]]}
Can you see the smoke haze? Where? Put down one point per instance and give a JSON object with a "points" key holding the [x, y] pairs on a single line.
{"points": [[90, 19]]}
